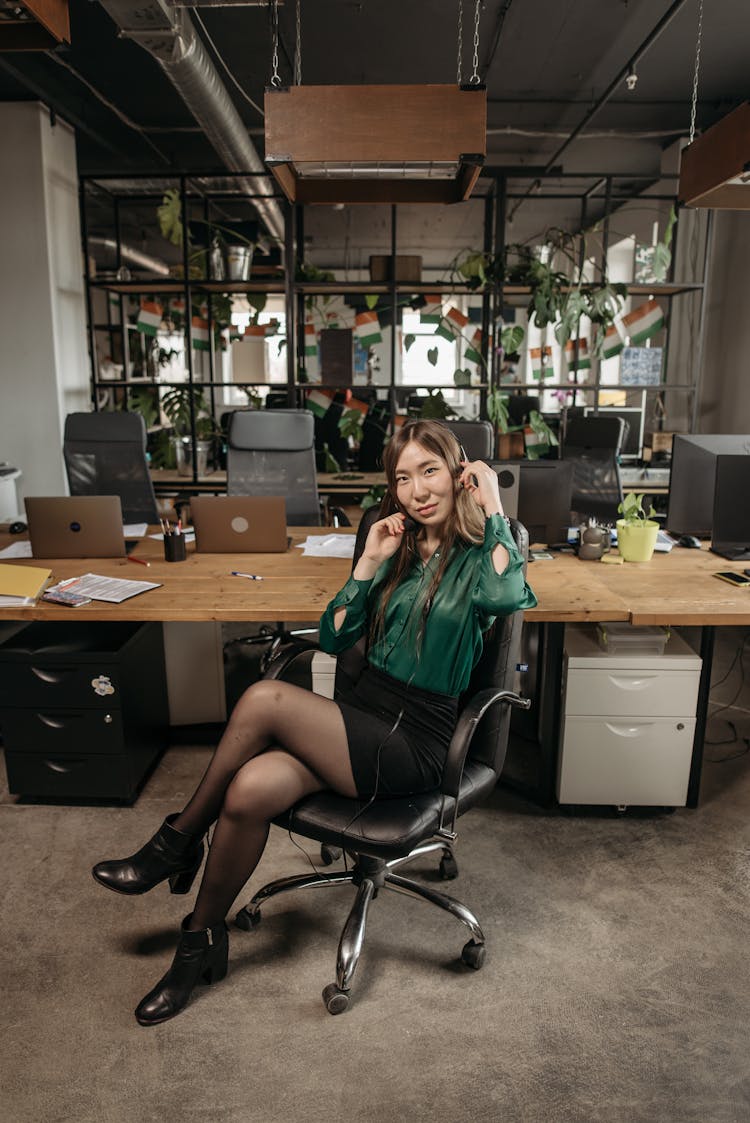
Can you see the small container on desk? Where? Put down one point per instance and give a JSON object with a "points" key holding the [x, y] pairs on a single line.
{"points": [[174, 548]]}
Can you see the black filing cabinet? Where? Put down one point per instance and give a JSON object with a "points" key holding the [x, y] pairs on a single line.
{"points": [[83, 708]]}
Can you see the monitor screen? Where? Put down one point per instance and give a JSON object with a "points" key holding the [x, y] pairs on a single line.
{"points": [[731, 523], [692, 479], [544, 499], [632, 445]]}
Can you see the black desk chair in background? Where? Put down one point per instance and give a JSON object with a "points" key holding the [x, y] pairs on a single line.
{"points": [[390, 832], [593, 444], [477, 438], [105, 454]]}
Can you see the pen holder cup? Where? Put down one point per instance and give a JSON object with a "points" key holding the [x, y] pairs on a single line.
{"points": [[174, 547]]}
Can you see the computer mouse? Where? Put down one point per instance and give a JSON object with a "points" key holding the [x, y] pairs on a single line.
{"points": [[690, 541], [17, 528]]}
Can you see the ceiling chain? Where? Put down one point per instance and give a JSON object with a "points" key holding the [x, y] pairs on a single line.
{"points": [[694, 104], [460, 40], [298, 49], [474, 80], [275, 77]]}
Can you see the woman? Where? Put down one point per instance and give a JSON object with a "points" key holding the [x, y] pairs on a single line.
{"points": [[423, 591]]}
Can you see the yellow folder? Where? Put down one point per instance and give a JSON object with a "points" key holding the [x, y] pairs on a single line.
{"points": [[23, 580]]}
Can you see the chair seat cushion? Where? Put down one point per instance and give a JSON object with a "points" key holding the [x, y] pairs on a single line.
{"points": [[387, 828]]}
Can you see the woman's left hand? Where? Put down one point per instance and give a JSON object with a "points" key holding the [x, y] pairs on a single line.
{"points": [[481, 482]]}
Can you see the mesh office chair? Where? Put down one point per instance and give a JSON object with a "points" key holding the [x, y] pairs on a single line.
{"points": [[105, 454], [390, 832], [272, 452], [477, 438], [592, 444]]}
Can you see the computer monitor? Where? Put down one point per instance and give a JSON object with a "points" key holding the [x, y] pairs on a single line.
{"points": [[544, 499], [632, 444], [730, 534], [692, 479]]}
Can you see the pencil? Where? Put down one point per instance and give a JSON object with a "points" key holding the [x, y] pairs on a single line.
{"points": [[138, 561]]}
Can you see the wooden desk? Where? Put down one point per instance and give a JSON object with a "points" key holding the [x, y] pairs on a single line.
{"points": [[168, 481], [675, 588]]}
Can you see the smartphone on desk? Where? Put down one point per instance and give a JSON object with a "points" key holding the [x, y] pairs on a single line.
{"points": [[733, 578]]}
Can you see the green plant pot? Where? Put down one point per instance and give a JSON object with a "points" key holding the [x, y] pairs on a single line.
{"points": [[636, 542]]}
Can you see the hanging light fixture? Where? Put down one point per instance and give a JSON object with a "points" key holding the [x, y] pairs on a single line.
{"points": [[715, 168], [375, 144]]}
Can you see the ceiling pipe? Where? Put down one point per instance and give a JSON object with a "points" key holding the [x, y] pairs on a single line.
{"points": [[131, 254], [170, 38]]}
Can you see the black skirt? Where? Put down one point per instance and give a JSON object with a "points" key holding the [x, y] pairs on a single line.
{"points": [[398, 735]]}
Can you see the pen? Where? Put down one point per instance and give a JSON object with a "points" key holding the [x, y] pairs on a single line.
{"points": [[250, 576], [138, 561]]}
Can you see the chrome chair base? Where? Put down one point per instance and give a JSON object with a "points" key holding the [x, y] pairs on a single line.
{"points": [[369, 875]]}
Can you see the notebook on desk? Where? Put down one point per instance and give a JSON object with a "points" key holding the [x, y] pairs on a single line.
{"points": [[81, 526], [239, 524]]}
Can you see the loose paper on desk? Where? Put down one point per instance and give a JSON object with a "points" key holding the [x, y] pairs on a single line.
{"points": [[134, 530], [17, 550], [188, 535], [328, 545], [114, 590]]}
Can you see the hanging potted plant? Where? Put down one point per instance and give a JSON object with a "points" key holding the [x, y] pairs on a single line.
{"points": [[636, 530]]}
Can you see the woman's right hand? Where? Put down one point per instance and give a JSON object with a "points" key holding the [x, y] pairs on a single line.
{"points": [[383, 539]]}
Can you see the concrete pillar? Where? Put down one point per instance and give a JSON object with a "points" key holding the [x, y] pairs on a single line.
{"points": [[44, 364]]}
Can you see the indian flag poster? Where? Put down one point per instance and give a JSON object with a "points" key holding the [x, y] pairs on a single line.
{"points": [[318, 401], [361, 407], [150, 315], [311, 342], [644, 322], [456, 317], [432, 310], [200, 333], [540, 359], [613, 342], [583, 360], [367, 329], [473, 352]]}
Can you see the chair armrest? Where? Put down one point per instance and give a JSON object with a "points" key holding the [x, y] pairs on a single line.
{"points": [[467, 723], [288, 655]]}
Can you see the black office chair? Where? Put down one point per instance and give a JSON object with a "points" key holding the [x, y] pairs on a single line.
{"points": [[477, 438], [390, 832], [592, 444], [271, 452], [105, 454]]}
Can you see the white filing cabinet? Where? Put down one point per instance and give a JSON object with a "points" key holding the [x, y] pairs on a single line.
{"points": [[628, 721]]}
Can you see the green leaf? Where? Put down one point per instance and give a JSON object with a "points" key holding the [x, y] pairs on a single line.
{"points": [[511, 338], [662, 261], [350, 424], [331, 463], [462, 377], [371, 299], [170, 216], [257, 300], [432, 356], [408, 340]]}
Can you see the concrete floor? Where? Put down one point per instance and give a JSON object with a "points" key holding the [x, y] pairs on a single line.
{"points": [[617, 984]]}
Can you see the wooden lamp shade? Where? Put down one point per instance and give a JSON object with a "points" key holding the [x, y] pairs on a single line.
{"points": [[376, 144], [715, 168], [37, 25]]}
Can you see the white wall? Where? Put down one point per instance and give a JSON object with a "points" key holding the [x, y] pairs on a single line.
{"points": [[44, 366]]}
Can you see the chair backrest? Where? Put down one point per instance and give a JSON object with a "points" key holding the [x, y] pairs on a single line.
{"points": [[591, 443], [497, 665], [105, 454], [271, 452], [477, 437]]}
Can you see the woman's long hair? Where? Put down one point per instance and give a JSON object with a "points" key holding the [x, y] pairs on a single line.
{"points": [[464, 526]]}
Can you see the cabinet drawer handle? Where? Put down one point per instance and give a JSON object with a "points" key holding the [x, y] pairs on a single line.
{"points": [[63, 766], [49, 674], [628, 730], [631, 682], [54, 722]]}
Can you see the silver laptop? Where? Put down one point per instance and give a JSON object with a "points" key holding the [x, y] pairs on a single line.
{"points": [[78, 526], [239, 524]]}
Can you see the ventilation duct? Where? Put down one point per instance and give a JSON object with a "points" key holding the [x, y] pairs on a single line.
{"points": [[169, 37]]}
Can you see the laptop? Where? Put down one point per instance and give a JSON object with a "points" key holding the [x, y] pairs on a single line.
{"points": [[79, 526], [239, 524]]}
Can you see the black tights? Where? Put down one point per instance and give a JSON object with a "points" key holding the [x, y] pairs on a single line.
{"points": [[281, 743]]}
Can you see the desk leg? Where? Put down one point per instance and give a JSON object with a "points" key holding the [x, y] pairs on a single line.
{"points": [[701, 715]]}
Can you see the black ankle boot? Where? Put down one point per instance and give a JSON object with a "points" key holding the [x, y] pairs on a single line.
{"points": [[169, 854], [200, 956]]}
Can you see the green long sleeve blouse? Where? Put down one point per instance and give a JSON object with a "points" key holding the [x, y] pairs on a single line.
{"points": [[470, 595]]}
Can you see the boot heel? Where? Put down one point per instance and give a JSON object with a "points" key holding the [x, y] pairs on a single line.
{"points": [[181, 883], [215, 972]]}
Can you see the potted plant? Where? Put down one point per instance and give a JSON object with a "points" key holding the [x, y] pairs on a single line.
{"points": [[230, 252], [510, 438], [180, 404], [636, 530]]}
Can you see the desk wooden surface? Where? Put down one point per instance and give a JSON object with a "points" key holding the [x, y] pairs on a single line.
{"points": [[675, 588]]}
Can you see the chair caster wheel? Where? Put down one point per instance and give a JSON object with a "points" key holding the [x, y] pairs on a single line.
{"points": [[329, 854], [335, 999], [473, 954], [448, 867], [247, 920]]}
